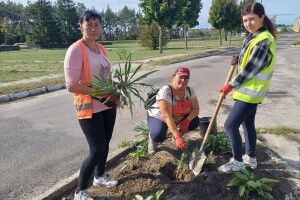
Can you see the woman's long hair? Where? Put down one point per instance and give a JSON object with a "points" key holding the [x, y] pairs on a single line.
{"points": [[258, 9]]}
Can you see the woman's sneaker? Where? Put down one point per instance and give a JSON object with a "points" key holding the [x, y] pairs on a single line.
{"points": [[250, 162], [82, 195], [105, 181], [232, 166]]}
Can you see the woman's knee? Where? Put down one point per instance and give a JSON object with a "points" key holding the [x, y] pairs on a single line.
{"points": [[229, 126], [158, 136]]}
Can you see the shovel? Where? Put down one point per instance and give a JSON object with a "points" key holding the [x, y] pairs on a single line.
{"points": [[198, 157]]}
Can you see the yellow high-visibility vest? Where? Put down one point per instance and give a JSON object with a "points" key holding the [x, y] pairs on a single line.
{"points": [[255, 89]]}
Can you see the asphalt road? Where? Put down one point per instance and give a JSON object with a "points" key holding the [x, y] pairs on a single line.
{"points": [[41, 142]]}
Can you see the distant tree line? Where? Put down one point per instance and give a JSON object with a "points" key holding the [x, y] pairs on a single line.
{"points": [[50, 24], [56, 24]]}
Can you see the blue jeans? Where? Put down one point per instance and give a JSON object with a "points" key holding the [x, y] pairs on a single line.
{"points": [[158, 129], [242, 113]]}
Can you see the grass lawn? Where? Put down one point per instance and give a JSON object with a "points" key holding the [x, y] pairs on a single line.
{"points": [[30, 63]]}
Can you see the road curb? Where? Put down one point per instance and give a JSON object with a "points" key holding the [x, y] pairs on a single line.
{"points": [[29, 93], [67, 186]]}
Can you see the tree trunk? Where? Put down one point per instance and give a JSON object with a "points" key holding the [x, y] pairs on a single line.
{"points": [[185, 29], [220, 36], [160, 39], [230, 36], [225, 35]]}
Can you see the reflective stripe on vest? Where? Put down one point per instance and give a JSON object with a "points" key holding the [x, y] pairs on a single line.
{"points": [[83, 103], [255, 89]]}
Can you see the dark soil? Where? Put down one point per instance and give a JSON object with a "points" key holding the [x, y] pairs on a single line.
{"points": [[160, 171]]}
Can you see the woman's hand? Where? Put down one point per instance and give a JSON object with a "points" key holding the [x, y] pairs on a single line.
{"points": [[180, 143], [234, 60]]}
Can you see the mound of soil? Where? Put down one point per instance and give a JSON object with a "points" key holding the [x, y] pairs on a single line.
{"points": [[161, 171]]}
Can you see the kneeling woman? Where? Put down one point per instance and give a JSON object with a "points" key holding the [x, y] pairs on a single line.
{"points": [[176, 109]]}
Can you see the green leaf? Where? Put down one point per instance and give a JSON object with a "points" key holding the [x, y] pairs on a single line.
{"points": [[241, 176], [235, 181], [151, 197], [252, 184], [159, 193], [135, 71], [242, 190], [267, 195], [138, 197], [268, 180]]}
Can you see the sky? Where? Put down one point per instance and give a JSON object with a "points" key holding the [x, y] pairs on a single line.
{"points": [[286, 10]]}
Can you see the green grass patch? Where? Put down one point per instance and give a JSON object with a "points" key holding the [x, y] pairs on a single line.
{"points": [[279, 130], [31, 85], [296, 42]]}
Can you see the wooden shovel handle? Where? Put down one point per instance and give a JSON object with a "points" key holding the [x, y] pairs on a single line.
{"points": [[217, 108]]}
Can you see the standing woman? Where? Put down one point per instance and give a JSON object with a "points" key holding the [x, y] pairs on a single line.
{"points": [[255, 68], [84, 60]]}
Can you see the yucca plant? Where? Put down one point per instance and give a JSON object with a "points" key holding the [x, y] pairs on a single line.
{"points": [[217, 144], [124, 86], [247, 182], [155, 196]]}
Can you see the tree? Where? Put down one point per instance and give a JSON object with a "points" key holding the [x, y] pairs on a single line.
{"points": [[68, 21], [80, 9], [44, 27], [163, 12], [217, 16], [232, 17], [149, 34], [127, 20], [13, 22], [1, 35], [189, 16], [109, 24]]}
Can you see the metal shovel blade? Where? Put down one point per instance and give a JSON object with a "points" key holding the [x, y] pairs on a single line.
{"points": [[197, 161]]}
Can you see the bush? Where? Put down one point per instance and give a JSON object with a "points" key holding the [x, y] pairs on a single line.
{"points": [[149, 36], [9, 39]]}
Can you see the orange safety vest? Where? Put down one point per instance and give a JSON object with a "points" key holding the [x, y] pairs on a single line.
{"points": [[83, 102]]}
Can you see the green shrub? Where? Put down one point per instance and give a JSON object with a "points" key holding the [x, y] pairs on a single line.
{"points": [[140, 151], [149, 36], [217, 144], [141, 148], [247, 182]]}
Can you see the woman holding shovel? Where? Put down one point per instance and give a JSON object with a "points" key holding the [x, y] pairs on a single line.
{"points": [[84, 60], [255, 68]]}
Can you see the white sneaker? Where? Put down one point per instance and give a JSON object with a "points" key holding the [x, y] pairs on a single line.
{"points": [[82, 195], [232, 166], [105, 181], [250, 162], [151, 146]]}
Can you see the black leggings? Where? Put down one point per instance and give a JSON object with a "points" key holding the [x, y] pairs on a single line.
{"points": [[98, 132]]}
